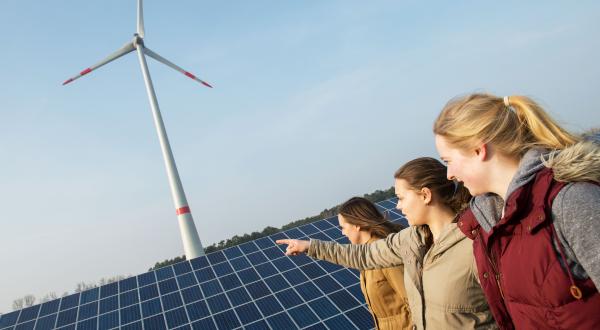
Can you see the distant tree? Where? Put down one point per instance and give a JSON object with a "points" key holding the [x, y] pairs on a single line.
{"points": [[104, 281], [167, 262], [29, 300], [49, 296], [18, 304], [82, 286]]}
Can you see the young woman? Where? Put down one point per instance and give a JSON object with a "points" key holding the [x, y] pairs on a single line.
{"points": [[439, 271], [384, 292], [535, 216]]}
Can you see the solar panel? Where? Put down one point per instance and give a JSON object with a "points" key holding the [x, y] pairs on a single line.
{"points": [[250, 286]]}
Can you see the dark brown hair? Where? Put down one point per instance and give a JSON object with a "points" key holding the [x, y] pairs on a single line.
{"points": [[361, 212], [427, 172]]}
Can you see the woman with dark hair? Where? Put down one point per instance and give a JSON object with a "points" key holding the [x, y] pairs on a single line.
{"points": [[440, 275], [362, 223]]}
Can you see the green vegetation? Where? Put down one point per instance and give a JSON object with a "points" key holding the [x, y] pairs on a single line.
{"points": [[377, 196]]}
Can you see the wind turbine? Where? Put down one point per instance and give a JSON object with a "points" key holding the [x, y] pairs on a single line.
{"points": [[189, 235]]}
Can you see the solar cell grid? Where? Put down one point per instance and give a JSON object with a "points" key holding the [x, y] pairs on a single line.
{"points": [[251, 285], [216, 257], [226, 320], [281, 321], [129, 283], [182, 268], [222, 269], [320, 236], [69, 301], [49, 307], [248, 247], [197, 310], [171, 301], [240, 263], [46, 322], [248, 313], [28, 314], [333, 233], [199, 263], [323, 225], [109, 290], [186, 280], [238, 296], [87, 311], [146, 278], [191, 294], [303, 315], [343, 240], [257, 258], [267, 269], [164, 273], [205, 274], [151, 307], [294, 233]]}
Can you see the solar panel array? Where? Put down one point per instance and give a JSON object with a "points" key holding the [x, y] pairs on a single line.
{"points": [[249, 286]]}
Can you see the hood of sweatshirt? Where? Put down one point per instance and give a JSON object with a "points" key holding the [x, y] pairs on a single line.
{"points": [[579, 162]]}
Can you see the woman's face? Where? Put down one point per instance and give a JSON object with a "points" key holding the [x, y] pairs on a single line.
{"points": [[463, 165], [349, 230], [411, 203]]}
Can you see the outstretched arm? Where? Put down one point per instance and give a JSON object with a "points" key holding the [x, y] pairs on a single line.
{"points": [[294, 246], [380, 254]]}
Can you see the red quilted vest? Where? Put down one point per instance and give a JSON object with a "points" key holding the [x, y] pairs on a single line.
{"points": [[520, 271]]}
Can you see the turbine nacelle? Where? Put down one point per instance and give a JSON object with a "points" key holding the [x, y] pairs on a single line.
{"points": [[137, 40]]}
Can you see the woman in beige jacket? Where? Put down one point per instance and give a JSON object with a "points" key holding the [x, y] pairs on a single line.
{"points": [[440, 276], [384, 292]]}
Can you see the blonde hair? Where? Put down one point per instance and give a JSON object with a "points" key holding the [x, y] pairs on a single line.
{"points": [[513, 125]]}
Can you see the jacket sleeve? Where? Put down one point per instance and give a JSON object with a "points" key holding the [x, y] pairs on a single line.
{"points": [[576, 213], [380, 254]]}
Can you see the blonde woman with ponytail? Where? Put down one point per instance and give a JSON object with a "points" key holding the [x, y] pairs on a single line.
{"points": [[535, 216], [440, 276]]}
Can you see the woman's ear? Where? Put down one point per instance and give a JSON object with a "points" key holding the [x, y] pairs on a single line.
{"points": [[426, 195], [482, 151]]}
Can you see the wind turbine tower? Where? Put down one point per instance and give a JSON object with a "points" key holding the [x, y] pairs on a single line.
{"points": [[189, 235]]}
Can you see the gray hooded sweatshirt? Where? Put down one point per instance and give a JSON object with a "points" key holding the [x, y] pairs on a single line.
{"points": [[575, 210]]}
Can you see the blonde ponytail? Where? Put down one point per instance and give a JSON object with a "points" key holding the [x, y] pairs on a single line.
{"points": [[513, 124]]}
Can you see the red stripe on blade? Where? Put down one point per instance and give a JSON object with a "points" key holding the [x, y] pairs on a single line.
{"points": [[86, 71], [67, 81], [183, 210], [190, 75]]}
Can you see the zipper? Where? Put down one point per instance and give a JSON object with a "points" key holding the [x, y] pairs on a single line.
{"points": [[494, 268]]}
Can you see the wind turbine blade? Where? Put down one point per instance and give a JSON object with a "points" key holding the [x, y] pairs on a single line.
{"points": [[140, 19], [172, 65], [128, 47]]}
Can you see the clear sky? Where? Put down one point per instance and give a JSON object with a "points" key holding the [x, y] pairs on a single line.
{"points": [[314, 102]]}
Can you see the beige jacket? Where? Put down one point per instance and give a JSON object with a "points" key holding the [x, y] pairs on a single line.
{"points": [[385, 294], [441, 284]]}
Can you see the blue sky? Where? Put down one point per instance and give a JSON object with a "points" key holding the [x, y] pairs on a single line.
{"points": [[314, 102]]}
